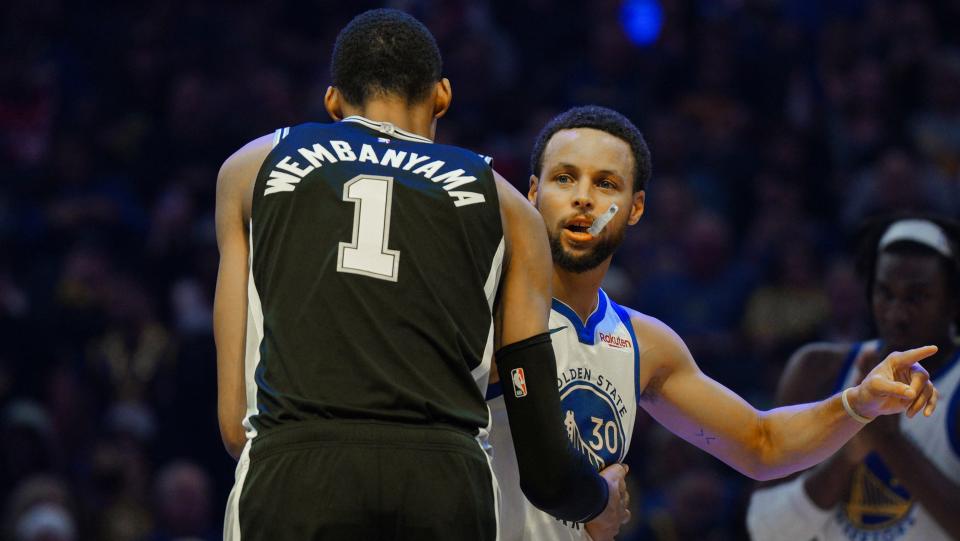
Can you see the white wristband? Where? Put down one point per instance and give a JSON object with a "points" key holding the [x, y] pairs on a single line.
{"points": [[846, 406]]}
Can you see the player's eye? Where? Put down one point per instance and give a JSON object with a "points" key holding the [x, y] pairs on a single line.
{"points": [[564, 178], [604, 183]]}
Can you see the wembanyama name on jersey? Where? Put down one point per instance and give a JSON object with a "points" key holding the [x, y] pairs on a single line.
{"points": [[287, 173]]}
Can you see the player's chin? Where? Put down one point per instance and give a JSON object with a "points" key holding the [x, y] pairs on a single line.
{"points": [[576, 261], [578, 253]]}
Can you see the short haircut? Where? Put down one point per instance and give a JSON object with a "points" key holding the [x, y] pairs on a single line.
{"points": [[868, 252], [603, 119], [385, 52]]}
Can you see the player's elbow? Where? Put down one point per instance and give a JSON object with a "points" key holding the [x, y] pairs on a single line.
{"points": [[234, 438], [765, 461]]}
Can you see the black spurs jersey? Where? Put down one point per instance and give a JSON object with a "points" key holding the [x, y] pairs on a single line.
{"points": [[375, 260]]}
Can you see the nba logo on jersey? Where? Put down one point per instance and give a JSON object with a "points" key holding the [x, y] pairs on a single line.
{"points": [[519, 382]]}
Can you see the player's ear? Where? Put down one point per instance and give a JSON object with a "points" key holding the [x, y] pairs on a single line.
{"points": [[636, 208], [442, 98], [333, 103], [534, 189]]}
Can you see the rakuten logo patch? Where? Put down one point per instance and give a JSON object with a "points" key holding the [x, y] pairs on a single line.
{"points": [[615, 341]]}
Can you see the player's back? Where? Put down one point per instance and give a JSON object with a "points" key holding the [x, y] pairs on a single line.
{"points": [[375, 261]]}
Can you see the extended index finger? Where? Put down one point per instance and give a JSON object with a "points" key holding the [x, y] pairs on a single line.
{"points": [[903, 359]]}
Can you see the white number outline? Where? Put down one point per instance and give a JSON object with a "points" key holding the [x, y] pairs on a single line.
{"points": [[605, 439], [597, 425], [354, 243]]}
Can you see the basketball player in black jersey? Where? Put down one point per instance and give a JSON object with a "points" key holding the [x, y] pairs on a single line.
{"points": [[366, 278]]}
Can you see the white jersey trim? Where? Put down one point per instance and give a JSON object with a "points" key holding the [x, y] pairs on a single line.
{"points": [[279, 134], [231, 522], [254, 337], [387, 129], [481, 374]]}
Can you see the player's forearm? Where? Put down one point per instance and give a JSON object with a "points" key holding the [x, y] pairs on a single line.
{"points": [[229, 327], [553, 476], [231, 407], [794, 438], [925, 482], [232, 434]]}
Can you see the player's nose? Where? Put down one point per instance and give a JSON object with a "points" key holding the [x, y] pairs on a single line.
{"points": [[583, 199]]}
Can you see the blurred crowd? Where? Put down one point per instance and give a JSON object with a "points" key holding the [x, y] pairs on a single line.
{"points": [[776, 127]]}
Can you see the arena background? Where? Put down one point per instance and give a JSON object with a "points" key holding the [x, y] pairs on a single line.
{"points": [[776, 128]]}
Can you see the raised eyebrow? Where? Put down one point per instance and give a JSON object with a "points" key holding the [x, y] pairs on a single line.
{"points": [[565, 166], [609, 173]]}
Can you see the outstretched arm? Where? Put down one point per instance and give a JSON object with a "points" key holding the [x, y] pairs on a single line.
{"points": [[776, 443], [234, 183]]}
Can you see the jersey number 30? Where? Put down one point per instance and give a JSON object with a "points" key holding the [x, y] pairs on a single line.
{"points": [[367, 251]]}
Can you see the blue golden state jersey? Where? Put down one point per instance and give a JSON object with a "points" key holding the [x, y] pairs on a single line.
{"points": [[598, 365], [375, 261], [878, 506]]}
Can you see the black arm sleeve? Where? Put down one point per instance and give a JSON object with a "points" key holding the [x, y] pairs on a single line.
{"points": [[554, 476]]}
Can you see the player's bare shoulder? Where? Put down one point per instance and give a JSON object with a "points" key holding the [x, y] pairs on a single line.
{"points": [[516, 212], [662, 352], [239, 172], [523, 228]]}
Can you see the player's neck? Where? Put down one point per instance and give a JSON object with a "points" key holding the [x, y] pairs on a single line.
{"points": [[578, 290], [416, 119]]}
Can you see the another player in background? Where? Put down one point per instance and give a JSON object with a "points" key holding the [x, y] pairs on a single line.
{"points": [[897, 479], [612, 359], [369, 275]]}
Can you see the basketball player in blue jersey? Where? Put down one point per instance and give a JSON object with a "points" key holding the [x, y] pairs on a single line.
{"points": [[366, 278], [591, 163], [897, 480]]}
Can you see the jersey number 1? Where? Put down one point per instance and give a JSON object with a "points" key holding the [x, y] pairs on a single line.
{"points": [[367, 251]]}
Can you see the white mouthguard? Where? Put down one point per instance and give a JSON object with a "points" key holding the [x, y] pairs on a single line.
{"points": [[603, 220]]}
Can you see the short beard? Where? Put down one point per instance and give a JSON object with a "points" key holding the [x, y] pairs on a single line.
{"points": [[588, 261]]}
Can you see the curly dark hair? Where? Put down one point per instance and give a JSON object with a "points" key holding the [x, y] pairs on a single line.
{"points": [[385, 52], [603, 119], [870, 233]]}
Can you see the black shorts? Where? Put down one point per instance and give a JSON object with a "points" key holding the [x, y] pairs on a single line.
{"points": [[333, 480]]}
